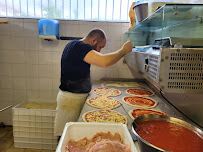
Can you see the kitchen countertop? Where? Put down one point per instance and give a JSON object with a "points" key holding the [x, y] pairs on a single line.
{"points": [[124, 109], [162, 106]]}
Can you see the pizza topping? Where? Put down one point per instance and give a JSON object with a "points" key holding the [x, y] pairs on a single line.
{"points": [[107, 91], [99, 142], [139, 101], [109, 116], [107, 145], [140, 92], [139, 112], [103, 102]]}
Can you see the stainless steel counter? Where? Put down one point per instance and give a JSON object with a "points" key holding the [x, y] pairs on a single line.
{"points": [[162, 106]]}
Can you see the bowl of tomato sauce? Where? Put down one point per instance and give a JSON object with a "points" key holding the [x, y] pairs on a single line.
{"points": [[164, 133]]}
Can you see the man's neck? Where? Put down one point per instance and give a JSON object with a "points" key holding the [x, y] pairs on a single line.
{"points": [[86, 40]]}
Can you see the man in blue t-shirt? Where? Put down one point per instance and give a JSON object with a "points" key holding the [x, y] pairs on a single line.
{"points": [[75, 85]]}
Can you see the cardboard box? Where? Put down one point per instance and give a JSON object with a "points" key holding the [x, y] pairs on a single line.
{"points": [[79, 130]]}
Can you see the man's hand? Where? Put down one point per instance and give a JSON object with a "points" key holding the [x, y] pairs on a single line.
{"points": [[127, 47]]}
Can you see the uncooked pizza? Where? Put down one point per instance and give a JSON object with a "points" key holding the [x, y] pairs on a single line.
{"points": [[103, 102], [139, 92], [139, 112], [108, 116], [140, 102], [107, 91], [122, 84]]}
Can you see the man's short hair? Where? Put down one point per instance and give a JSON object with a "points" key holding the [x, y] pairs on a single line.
{"points": [[98, 33]]}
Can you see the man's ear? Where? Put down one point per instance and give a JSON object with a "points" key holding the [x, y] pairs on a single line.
{"points": [[94, 41]]}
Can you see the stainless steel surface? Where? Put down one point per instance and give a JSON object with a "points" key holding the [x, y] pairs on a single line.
{"points": [[181, 70], [148, 147], [189, 104], [183, 41], [162, 106], [136, 61], [187, 42], [178, 73], [182, 81], [174, 70], [141, 11]]}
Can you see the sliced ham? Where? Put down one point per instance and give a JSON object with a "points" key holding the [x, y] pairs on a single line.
{"points": [[107, 145], [101, 142]]}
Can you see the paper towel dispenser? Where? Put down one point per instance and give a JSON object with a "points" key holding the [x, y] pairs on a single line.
{"points": [[48, 29]]}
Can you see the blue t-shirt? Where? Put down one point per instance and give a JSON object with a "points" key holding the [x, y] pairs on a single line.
{"points": [[75, 73]]}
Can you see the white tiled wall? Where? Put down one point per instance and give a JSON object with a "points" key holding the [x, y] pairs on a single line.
{"points": [[30, 67]]}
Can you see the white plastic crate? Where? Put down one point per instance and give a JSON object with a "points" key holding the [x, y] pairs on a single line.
{"points": [[34, 128], [34, 135], [35, 140], [35, 145], [22, 123], [20, 110]]}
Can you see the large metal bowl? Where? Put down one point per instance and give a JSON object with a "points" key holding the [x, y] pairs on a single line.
{"points": [[146, 146], [141, 11]]}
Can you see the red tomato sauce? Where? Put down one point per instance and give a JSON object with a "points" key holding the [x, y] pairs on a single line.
{"points": [[139, 92], [139, 101], [140, 112], [170, 136]]}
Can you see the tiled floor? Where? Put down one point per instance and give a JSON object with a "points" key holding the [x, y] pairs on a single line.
{"points": [[7, 142]]}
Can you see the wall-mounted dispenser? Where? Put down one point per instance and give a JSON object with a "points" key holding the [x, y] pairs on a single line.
{"points": [[48, 29]]}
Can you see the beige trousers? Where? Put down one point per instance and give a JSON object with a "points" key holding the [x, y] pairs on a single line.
{"points": [[69, 106]]}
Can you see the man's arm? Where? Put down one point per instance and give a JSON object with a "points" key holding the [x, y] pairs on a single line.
{"points": [[104, 60]]}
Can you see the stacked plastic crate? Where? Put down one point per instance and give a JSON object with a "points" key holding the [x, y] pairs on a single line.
{"points": [[34, 128]]}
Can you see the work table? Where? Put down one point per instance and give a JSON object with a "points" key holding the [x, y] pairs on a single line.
{"points": [[162, 105], [124, 108]]}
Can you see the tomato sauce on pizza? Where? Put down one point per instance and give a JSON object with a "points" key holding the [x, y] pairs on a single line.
{"points": [[140, 102], [139, 92], [139, 112]]}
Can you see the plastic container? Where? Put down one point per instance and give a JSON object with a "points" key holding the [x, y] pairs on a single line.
{"points": [[79, 130], [34, 128], [48, 29]]}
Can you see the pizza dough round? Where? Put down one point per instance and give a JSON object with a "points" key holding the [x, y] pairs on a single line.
{"points": [[140, 102], [102, 115], [134, 113], [107, 91], [103, 102], [122, 84], [139, 92]]}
